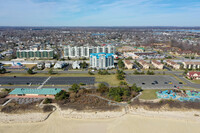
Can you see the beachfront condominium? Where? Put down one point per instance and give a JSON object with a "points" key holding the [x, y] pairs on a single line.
{"points": [[35, 54], [85, 51], [102, 60]]}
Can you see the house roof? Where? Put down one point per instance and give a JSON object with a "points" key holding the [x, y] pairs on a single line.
{"points": [[192, 73], [43, 91]]}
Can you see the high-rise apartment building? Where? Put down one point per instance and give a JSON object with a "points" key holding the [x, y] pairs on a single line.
{"points": [[85, 51], [101, 60]]}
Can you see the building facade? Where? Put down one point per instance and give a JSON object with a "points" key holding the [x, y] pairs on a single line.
{"points": [[23, 54], [193, 75], [157, 64], [173, 64], [34, 93], [102, 60], [128, 64], [85, 51], [191, 65], [144, 64]]}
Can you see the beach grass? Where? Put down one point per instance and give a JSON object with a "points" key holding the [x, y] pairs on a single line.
{"points": [[149, 94]]}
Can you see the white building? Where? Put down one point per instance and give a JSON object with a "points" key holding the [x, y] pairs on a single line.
{"points": [[157, 64], [40, 65], [101, 60], [48, 65], [191, 65], [76, 65], [59, 65], [85, 51]]}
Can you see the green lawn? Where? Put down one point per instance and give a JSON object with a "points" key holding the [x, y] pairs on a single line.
{"points": [[149, 94], [110, 79], [195, 81]]}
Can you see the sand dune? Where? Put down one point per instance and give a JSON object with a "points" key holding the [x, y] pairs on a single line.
{"points": [[128, 123]]}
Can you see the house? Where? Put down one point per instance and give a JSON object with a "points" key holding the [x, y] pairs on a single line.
{"points": [[173, 64], [191, 65], [48, 65], [76, 65], [193, 75], [40, 65], [144, 64], [59, 65], [157, 64], [34, 93], [128, 64]]}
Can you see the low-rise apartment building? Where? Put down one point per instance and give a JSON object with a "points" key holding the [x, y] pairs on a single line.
{"points": [[157, 64], [128, 64], [173, 64], [35, 54], [191, 65], [144, 64]]}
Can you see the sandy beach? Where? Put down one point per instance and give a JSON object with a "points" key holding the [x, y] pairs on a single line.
{"points": [[133, 122]]}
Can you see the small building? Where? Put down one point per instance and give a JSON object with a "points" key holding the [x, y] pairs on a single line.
{"points": [[76, 65], [128, 64], [132, 55], [48, 65], [157, 64], [173, 64], [59, 65], [40, 65], [34, 93], [193, 75], [144, 64], [191, 65]]}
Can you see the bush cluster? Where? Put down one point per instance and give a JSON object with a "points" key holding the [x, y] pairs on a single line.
{"points": [[120, 75]]}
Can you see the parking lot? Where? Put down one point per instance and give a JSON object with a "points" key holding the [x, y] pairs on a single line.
{"points": [[51, 81], [70, 80], [149, 81], [26, 100], [21, 80]]}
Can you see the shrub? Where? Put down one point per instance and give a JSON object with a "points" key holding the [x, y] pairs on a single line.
{"points": [[82, 84], [62, 95], [30, 71], [8, 109], [47, 100], [48, 108], [121, 63], [75, 88], [102, 88], [90, 73]]}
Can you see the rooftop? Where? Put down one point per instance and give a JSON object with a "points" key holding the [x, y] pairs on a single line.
{"points": [[101, 54], [43, 91]]}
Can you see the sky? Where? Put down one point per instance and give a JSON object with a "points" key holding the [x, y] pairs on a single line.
{"points": [[99, 12]]}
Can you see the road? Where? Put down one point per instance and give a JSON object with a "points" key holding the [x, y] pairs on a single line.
{"points": [[128, 72]]}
